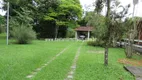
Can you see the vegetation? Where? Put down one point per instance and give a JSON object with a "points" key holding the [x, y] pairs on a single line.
{"points": [[18, 61], [109, 29], [131, 35], [60, 66], [57, 19], [95, 43], [2, 20], [23, 34], [90, 65], [49, 18]]}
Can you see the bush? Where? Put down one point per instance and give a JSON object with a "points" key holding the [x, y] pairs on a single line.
{"points": [[95, 43], [2, 29], [70, 33], [23, 34], [91, 43]]}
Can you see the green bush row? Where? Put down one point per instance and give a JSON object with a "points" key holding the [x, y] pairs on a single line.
{"points": [[95, 43]]}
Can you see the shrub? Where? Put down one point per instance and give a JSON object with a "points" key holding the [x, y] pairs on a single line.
{"points": [[91, 43], [23, 34], [2, 29], [95, 43], [70, 33]]}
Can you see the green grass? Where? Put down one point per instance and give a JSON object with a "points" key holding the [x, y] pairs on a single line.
{"points": [[59, 68], [90, 65], [137, 57], [18, 61]]}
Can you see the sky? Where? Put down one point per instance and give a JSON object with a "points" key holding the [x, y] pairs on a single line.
{"points": [[88, 5], [1, 11], [138, 11]]}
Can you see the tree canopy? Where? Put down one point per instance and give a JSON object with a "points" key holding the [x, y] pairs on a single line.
{"points": [[45, 15]]}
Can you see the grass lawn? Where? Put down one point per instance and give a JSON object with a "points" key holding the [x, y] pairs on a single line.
{"points": [[18, 61], [90, 65]]}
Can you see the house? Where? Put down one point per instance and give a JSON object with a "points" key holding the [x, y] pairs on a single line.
{"points": [[139, 28], [83, 32]]}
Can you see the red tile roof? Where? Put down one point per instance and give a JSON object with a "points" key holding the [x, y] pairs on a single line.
{"points": [[84, 28]]}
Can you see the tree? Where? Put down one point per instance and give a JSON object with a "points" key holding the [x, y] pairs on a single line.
{"points": [[65, 15], [132, 34], [21, 20], [99, 6], [2, 24], [29, 12], [109, 28], [46, 16]]}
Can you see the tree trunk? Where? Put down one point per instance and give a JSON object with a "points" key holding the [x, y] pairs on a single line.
{"points": [[108, 9], [108, 33], [129, 47], [106, 56]]}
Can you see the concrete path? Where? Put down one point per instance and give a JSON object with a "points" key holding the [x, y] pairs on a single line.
{"points": [[32, 74], [73, 67], [136, 71]]}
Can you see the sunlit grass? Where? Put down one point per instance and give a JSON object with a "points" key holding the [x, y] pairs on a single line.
{"points": [[18, 61], [59, 68], [91, 65]]}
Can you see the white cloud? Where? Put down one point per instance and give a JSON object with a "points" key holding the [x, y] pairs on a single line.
{"points": [[88, 5], [1, 11], [138, 11]]}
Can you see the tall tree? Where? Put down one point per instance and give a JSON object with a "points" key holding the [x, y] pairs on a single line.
{"points": [[46, 16], [99, 5], [65, 15], [109, 28]]}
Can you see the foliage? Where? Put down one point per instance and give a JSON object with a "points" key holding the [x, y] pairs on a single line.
{"points": [[109, 29], [2, 24], [130, 35], [95, 43], [66, 11], [22, 11], [114, 29], [98, 22], [23, 34], [88, 16], [66, 14], [70, 33], [99, 4], [2, 29], [55, 13], [82, 22]]}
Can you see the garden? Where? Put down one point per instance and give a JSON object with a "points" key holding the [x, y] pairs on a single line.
{"points": [[20, 61], [60, 40]]}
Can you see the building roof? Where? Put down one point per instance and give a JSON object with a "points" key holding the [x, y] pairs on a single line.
{"points": [[84, 28]]}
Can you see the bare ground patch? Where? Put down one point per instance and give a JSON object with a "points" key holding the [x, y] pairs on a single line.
{"points": [[132, 62]]}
